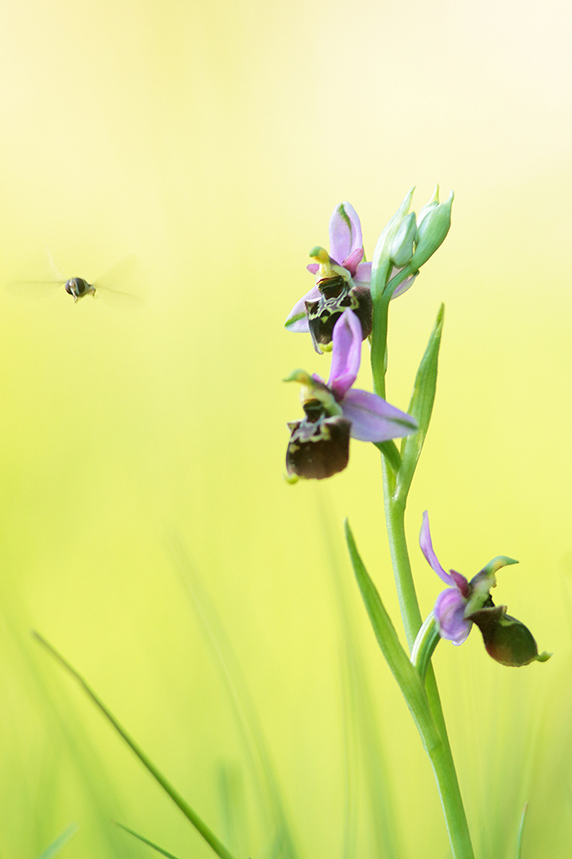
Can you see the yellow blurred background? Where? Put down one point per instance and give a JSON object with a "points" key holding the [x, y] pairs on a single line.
{"points": [[213, 140]]}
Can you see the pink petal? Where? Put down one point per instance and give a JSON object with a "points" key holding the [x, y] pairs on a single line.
{"points": [[404, 286], [430, 556], [313, 267], [346, 353], [297, 319], [352, 262], [461, 583], [345, 232], [374, 419], [363, 274], [449, 610]]}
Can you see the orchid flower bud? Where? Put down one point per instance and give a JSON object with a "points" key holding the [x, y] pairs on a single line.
{"points": [[432, 227], [402, 245]]}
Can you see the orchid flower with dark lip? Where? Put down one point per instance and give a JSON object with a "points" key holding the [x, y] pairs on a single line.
{"points": [[342, 282], [319, 444], [465, 602]]}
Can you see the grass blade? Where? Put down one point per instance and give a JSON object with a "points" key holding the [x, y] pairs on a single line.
{"points": [[243, 704], [179, 801], [233, 810], [65, 740], [520, 832], [57, 845], [146, 841]]}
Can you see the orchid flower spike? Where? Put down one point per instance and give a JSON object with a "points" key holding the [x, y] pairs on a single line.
{"points": [[343, 279], [319, 444], [465, 602]]}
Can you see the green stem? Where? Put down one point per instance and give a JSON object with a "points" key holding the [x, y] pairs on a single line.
{"points": [[439, 752], [394, 515], [379, 345], [440, 755], [451, 801]]}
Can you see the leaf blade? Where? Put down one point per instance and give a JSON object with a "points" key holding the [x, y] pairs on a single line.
{"points": [[395, 656], [146, 841], [421, 408], [176, 797]]}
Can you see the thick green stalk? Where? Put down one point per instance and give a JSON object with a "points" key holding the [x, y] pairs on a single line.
{"points": [[440, 755], [394, 515], [451, 801]]}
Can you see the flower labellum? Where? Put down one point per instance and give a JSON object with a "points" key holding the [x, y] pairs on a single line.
{"points": [[506, 639], [337, 293], [465, 602], [319, 444]]}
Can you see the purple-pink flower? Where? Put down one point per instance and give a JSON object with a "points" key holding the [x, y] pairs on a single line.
{"points": [[319, 444], [465, 602], [346, 252], [342, 282], [449, 610]]}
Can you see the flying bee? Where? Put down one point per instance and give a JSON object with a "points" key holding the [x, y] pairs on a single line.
{"points": [[79, 288], [123, 272]]}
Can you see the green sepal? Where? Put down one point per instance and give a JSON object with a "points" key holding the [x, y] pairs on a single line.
{"points": [[495, 565], [420, 408], [293, 319], [404, 672]]}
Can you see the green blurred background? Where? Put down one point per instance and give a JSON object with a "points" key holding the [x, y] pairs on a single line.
{"points": [[213, 140]]}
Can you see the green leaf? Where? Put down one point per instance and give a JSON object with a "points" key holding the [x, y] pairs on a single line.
{"points": [[420, 407], [401, 668], [520, 832], [179, 801], [146, 841], [391, 454], [57, 845]]}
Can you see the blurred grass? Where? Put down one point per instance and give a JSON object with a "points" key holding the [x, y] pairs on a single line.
{"points": [[60, 842], [213, 142]]}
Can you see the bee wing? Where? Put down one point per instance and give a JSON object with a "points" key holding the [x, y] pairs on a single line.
{"points": [[55, 268], [126, 273], [123, 300], [34, 288]]}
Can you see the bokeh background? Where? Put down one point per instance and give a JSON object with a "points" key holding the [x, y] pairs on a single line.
{"points": [[212, 140]]}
